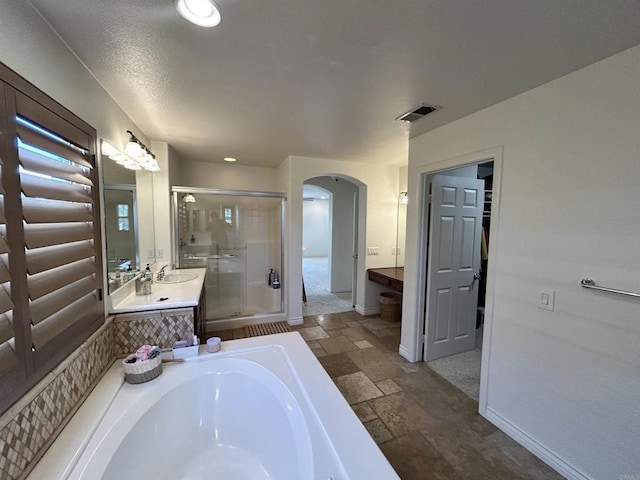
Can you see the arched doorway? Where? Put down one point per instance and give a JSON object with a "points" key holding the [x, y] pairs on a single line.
{"points": [[330, 247]]}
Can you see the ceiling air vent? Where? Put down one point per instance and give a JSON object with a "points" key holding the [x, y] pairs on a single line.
{"points": [[417, 113]]}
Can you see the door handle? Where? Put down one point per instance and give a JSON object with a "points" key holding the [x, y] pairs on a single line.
{"points": [[477, 276]]}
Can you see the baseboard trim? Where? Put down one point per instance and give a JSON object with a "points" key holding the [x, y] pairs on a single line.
{"points": [[367, 311], [535, 447], [295, 321], [405, 353]]}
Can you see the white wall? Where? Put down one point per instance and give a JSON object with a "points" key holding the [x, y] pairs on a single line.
{"points": [[227, 177], [402, 217], [315, 221], [32, 49], [377, 211], [565, 382], [162, 204]]}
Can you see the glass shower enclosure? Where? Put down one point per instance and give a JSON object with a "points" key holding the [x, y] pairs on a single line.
{"points": [[238, 237]]}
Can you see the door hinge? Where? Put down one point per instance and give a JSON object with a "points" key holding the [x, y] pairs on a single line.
{"points": [[430, 198]]}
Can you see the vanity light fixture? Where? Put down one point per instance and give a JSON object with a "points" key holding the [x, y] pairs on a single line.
{"points": [[204, 13], [404, 198], [189, 198], [136, 155], [229, 159]]}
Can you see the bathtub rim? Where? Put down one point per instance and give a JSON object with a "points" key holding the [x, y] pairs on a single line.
{"points": [[349, 438]]}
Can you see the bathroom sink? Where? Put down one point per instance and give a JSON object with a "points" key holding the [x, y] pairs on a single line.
{"points": [[178, 277]]}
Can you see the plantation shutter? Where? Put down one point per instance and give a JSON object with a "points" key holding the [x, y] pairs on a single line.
{"points": [[55, 178], [8, 358], [10, 368], [50, 246]]}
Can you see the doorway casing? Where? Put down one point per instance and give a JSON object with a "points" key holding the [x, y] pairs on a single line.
{"points": [[413, 322]]}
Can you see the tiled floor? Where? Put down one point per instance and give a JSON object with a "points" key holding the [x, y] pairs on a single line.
{"points": [[426, 427]]}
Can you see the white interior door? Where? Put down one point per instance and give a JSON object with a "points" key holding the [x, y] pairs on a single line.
{"points": [[453, 265]]}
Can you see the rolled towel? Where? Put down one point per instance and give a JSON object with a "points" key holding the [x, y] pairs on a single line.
{"points": [[143, 352]]}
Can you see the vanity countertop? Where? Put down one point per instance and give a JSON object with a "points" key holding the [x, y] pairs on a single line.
{"points": [[178, 295]]}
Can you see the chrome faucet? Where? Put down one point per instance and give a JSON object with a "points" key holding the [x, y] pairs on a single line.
{"points": [[160, 275]]}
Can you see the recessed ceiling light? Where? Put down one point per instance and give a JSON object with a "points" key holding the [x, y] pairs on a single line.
{"points": [[229, 159], [201, 12]]}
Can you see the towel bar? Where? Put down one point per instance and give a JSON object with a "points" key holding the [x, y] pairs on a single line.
{"points": [[589, 283]]}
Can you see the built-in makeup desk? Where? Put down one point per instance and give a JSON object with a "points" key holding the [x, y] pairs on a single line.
{"points": [[392, 277]]}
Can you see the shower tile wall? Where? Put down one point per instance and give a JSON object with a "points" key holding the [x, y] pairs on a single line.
{"points": [[29, 427]]}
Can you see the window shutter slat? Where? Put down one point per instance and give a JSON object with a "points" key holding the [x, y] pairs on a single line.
{"points": [[6, 328], [36, 162], [32, 137], [46, 234], [5, 276], [6, 304], [85, 309], [46, 258], [8, 360], [51, 280], [37, 187], [52, 303], [4, 248], [37, 210], [76, 132]]}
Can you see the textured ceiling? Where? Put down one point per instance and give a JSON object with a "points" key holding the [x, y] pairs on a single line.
{"points": [[327, 78]]}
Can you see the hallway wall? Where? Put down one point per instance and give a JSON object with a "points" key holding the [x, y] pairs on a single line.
{"points": [[563, 381], [316, 231]]}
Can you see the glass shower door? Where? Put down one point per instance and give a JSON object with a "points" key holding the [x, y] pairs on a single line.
{"points": [[238, 239]]}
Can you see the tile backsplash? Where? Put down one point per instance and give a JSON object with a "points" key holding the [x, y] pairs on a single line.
{"points": [[159, 327], [29, 427]]}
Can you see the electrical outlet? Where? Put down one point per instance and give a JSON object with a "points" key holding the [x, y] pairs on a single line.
{"points": [[159, 253], [151, 253], [373, 250]]}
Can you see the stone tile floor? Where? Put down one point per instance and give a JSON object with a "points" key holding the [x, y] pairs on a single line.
{"points": [[427, 428]]}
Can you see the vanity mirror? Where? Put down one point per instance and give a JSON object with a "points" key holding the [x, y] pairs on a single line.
{"points": [[128, 218]]}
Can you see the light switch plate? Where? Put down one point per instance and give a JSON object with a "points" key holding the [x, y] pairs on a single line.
{"points": [[546, 298]]}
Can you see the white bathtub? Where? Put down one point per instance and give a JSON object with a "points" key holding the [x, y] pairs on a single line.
{"points": [[243, 413]]}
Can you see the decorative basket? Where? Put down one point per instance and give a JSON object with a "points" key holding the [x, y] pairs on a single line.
{"points": [[390, 306], [140, 372]]}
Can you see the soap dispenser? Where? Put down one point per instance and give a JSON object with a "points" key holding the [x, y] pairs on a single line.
{"points": [[148, 274]]}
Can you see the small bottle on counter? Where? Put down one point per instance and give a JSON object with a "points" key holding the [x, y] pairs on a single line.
{"points": [[148, 274]]}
